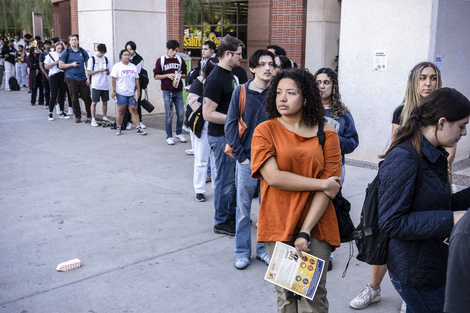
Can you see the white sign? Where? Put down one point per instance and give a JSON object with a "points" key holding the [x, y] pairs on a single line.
{"points": [[380, 60], [438, 61]]}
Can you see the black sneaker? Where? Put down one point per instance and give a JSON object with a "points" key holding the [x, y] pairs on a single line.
{"points": [[140, 131], [63, 115], [200, 197], [50, 118], [226, 228]]}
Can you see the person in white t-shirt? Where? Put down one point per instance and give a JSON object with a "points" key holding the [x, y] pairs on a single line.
{"points": [[56, 81], [97, 71], [125, 84]]}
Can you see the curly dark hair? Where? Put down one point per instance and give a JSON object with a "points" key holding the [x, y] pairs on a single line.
{"points": [[337, 107], [313, 111]]}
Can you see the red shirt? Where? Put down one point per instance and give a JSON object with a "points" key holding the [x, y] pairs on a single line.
{"points": [[169, 67]]}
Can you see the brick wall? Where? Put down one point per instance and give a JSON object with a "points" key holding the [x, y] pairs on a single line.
{"points": [[288, 27], [61, 19], [259, 25], [175, 20], [74, 16]]}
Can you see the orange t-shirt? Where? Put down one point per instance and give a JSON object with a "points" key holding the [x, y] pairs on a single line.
{"points": [[282, 212]]}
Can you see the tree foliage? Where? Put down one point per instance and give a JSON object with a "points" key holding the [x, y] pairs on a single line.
{"points": [[17, 16]]}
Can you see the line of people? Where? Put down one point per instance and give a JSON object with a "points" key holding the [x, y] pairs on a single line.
{"points": [[281, 116]]}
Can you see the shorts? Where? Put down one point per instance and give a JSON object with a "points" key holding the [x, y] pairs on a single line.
{"points": [[97, 93], [124, 100]]}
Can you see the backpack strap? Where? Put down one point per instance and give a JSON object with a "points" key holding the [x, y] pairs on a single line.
{"points": [[67, 52], [321, 134], [93, 67], [162, 61], [241, 107]]}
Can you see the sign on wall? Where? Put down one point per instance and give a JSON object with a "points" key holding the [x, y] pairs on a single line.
{"points": [[193, 41], [380, 60]]}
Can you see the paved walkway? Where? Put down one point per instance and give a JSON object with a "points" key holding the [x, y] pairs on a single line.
{"points": [[125, 206]]}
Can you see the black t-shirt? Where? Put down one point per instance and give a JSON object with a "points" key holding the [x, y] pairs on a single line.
{"points": [[219, 87], [241, 74], [196, 87], [458, 274], [397, 114]]}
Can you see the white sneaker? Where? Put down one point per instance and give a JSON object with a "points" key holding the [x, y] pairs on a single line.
{"points": [[94, 123], [189, 151], [129, 126], [142, 126], [57, 109], [367, 296], [403, 307], [186, 129], [70, 111], [105, 118], [170, 141], [181, 138]]}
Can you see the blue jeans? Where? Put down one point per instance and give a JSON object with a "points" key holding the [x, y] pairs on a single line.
{"points": [[246, 186], [225, 192], [420, 299], [176, 99]]}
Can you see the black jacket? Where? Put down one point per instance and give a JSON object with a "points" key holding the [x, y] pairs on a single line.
{"points": [[417, 227]]}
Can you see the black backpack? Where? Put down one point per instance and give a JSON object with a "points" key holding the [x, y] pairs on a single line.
{"points": [[143, 78], [13, 83], [143, 75], [342, 206], [372, 246]]}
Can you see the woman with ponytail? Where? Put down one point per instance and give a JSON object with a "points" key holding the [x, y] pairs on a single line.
{"points": [[416, 208]]}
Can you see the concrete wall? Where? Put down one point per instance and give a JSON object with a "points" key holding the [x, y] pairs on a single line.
{"points": [[372, 95], [114, 22], [323, 30], [453, 43]]}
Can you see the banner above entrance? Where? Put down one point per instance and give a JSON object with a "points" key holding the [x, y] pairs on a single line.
{"points": [[193, 41]]}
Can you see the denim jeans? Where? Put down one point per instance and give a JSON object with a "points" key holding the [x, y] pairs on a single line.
{"points": [[175, 99], [225, 192], [420, 299], [246, 186]]}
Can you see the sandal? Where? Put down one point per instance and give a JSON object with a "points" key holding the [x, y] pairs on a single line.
{"points": [[264, 257]]}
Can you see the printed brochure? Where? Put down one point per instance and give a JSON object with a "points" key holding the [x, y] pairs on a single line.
{"points": [[300, 275]]}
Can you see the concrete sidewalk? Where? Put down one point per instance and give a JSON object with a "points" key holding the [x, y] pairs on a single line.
{"points": [[125, 206]]}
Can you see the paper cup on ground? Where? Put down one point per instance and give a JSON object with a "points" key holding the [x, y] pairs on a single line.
{"points": [[69, 265]]}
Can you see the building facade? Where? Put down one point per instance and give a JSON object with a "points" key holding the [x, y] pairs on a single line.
{"points": [[373, 45]]}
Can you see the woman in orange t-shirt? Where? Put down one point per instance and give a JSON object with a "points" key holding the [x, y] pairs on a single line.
{"points": [[298, 178]]}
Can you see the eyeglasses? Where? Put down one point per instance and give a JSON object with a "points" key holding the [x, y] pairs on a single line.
{"points": [[237, 53]]}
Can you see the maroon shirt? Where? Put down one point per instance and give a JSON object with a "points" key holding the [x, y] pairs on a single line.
{"points": [[169, 67]]}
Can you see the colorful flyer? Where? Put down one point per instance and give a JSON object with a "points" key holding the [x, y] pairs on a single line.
{"points": [[297, 274]]}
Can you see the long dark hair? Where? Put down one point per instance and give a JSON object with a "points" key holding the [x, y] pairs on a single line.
{"points": [[207, 69], [313, 111], [337, 107], [445, 102]]}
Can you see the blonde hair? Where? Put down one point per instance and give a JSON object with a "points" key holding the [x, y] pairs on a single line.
{"points": [[412, 97], [60, 43]]}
